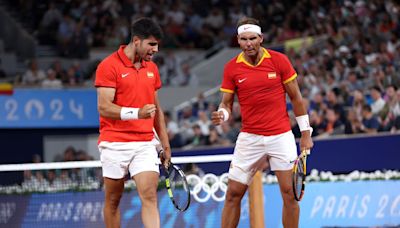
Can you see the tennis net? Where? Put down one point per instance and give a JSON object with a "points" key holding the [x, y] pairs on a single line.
{"points": [[77, 175]]}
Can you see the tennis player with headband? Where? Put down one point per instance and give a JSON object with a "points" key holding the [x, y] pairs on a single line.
{"points": [[261, 78]]}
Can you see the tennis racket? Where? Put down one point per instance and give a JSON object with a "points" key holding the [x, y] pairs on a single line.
{"points": [[175, 183], [299, 175], [177, 187]]}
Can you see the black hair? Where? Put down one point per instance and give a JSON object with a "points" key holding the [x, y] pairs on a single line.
{"points": [[377, 88], [367, 108], [145, 27]]}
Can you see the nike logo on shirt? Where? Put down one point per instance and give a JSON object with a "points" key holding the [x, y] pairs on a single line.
{"points": [[124, 75], [242, 80]]}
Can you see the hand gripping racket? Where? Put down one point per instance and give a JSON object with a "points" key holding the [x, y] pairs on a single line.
{"points": [[175, 183]]}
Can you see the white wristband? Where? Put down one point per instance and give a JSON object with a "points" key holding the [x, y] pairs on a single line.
{"points": [[226, 113], [303, 122], [129, 113]]}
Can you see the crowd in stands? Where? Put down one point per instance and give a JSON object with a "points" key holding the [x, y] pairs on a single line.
{"points": [[350, 81], [62, 179], [174, 71], [76, 26], [57, 76]]}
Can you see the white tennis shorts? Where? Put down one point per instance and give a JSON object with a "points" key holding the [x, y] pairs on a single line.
{"points": [[257, 152], [118, 158]]}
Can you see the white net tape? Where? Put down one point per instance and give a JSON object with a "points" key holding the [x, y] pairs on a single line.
{"points": [[95, 164]]}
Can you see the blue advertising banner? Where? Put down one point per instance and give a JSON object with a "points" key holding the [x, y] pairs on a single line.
{"points": [[49, 108], [349, 204], [12, 209], [329, 204]]}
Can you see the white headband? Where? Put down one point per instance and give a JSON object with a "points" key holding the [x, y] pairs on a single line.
{"points": [[249, 28]]}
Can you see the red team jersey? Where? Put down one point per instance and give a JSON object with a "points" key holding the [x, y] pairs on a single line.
{"points": [[260, 90], [133, 88]]}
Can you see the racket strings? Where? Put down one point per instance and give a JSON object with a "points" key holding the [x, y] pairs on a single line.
{"points": [[179, 189], [299, 178]]}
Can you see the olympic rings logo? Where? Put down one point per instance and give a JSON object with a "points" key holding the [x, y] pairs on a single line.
{"points": [[208, 186]]}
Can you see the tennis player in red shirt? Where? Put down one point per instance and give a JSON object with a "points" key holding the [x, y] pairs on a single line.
{"points": [[127, 82], [261, 79]]}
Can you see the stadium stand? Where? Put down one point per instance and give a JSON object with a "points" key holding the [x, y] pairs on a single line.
{"points": [[357, 51]]}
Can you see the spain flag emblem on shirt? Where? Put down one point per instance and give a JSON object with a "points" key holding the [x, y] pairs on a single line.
{"points": [[271, 75], [150, 74]]}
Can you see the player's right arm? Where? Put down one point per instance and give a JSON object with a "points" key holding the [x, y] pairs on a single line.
{"points": [[227, 88], [107, 109], [217, 117]]}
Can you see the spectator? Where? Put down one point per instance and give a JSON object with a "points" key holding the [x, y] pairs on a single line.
{"points": [[29, 181], [60, 71], [370, 123], [198, 138], [332, 123], [334, 103], [318, 104], [174, 136], [214, 139], [201, 104], [378, 103], [69, 154], [63, 181], [51, 81], [72, 78], [34, 75], [41, 183], [316, 122], [78, 45], [49, 24], [204, 123], [353, 123], [393, 107], [65, 32], [353, 83], [358, 101], [215, 20]]}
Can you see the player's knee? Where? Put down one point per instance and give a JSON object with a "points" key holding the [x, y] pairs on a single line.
{"points": [[233, 196], [148, 195], [288, 197]]}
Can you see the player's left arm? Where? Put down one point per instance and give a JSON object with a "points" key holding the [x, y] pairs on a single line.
{"points": [[293, 90], [161, 129]]}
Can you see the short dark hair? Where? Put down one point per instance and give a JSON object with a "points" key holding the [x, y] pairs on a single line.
{"points": [[377, 88], [247, 20], [145, 27], [367, 108]]}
